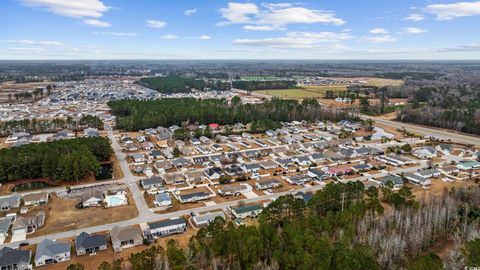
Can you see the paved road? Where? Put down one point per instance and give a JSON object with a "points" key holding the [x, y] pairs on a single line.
{"points": [[427, 131]]}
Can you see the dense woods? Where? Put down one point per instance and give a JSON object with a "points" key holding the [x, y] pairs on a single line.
{"points": [[177, 84], [342, 227], [264, 85], [446, 105], [135, 115], [38, 126], [65, 160]]}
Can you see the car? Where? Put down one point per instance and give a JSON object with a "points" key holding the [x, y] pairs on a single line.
{"points": [[23, 244]]}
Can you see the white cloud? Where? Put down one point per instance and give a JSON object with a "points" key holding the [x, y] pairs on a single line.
{"points": [[378, 31], [117, 34], [189, 12], [169, 37], [298, 40], [414, 17], [238, 12], [413, 30], [280, 14], [96, 23], [155, 23], [36, 43], [70, 8], [454, 10], [298, 15], [27, 50], [262, 28], [204, 37], [380, 39]]}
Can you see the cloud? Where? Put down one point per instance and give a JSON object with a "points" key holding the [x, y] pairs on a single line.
{"points": [[297, 40], [96, 23], [278, 15], [169, 37], [204, 37], [155, 23], [378, 31], [117, 34], [454, 10], [262, 28], [189, 12], [27, 50], [36, 43], [414, 17], [238, 12], [70, 8], [413, 30], [380, 39]]}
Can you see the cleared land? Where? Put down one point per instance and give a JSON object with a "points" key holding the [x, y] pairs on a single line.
{"points": [[318, 91]]}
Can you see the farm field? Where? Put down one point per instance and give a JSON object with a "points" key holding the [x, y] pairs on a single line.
{"points": [[318, 91]]}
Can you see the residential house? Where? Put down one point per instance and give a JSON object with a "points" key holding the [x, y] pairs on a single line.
{"points": [[4, 227], [91, 197], [234, 170], [425, 152], [163, 166], [396, 180], [468, 165], [86, 243], [316, 157], [298, 179], [317, 174], [15, 259], [29, 224], [91, 132], [213, 173], [175, 178], [250, 168], [162, 200], [417, 179], [232, 190], [155, 182], [194, 176], [168, 227], [193, 197], [51, 251], [428, 173], [10, 201], [268, 164], [138, 158], [181, 162], [306, 197], [204, 219], [40, 198], [267, 184], [242, 212], [125, 237]]}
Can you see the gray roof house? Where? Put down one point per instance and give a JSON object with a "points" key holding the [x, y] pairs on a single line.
{"points": [[15, 259], [89, 244], [193, 197], [168, 227], [5, 226], [10, 201], [51, 251], [125, 237], [204, 219], [152, 182]]}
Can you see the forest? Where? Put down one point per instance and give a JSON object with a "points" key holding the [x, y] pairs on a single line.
{"points": [[344, 226], [177, 84], [39, 126], [63, 160], [447, 105], [263, 85], [134, 115]]}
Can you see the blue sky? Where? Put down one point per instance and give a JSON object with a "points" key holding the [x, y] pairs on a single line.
{"points": [[210, 29]]}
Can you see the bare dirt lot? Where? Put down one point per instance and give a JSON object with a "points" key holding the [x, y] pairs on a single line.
{"points": [[10, 88], [62, 215]]}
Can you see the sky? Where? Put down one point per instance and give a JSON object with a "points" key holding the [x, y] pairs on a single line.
{"points": [[216, 29]]}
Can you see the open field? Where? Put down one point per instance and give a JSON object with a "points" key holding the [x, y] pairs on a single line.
{"points": [[11, 88], [318, 91], [62, 215]]}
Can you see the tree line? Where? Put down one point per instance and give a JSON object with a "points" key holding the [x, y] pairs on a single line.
{"points": [[39, 126], [263, 85], [343, 226], [64, 160], [177, 84], [134, 114]]}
